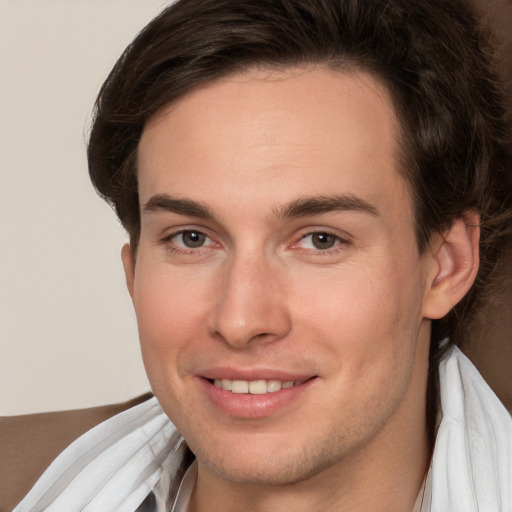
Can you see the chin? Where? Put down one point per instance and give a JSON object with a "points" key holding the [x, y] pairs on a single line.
{"points": [[272, 463]]}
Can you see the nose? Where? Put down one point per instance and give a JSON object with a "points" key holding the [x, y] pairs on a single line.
{"points": [[251, 303]]}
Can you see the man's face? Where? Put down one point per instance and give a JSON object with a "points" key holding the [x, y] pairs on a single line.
{"points": [[277, 249]]}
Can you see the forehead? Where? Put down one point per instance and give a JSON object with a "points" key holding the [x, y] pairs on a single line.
{"points": [[316, 130]]}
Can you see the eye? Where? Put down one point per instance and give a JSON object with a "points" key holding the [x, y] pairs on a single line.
{"points": [[319, 241], [190, 239]]}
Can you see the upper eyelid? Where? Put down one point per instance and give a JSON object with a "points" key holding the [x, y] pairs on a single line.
{"points": [[342, 235], [167, 237], [181, 231], [340, 241], [301, 233], [312, 233], [176, 247], [174, 231]]}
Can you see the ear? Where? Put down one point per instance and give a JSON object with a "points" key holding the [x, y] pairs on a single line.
{"points": [[455, 259], [129, 267]]}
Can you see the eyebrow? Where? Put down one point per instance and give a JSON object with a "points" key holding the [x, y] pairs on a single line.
{"points": [[167, 203], [301, 207], [317, 205]]}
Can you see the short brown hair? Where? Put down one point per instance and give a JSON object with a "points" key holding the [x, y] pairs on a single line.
{"points": [[430, 55]]}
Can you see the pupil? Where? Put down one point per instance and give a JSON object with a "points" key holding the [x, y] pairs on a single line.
{"points": [[323, 240], [193, 239]]}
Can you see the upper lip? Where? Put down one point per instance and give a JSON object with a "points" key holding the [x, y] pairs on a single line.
{"points": [[253, 374]]}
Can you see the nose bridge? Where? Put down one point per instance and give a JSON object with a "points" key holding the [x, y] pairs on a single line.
{"points": [[251, 304]]}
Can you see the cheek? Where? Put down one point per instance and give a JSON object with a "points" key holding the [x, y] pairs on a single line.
{"points": [[352, 301], [365, 327], [365, 320], [170, 313]]}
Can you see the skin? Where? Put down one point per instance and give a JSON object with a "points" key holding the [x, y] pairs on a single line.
{"points": [[339, 294]]}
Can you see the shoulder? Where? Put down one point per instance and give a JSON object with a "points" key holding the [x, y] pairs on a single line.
{"points": [[472, 461]]}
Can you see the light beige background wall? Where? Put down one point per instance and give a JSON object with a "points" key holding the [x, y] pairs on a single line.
{"points": [[68, 334]]}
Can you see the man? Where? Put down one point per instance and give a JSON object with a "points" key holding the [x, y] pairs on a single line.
{"points": [[309, 188]]}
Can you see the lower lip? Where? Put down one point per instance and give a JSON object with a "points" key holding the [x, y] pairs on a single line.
{"points": [[245, 405]]}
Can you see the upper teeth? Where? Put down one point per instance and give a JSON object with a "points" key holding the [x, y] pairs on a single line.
{"points": [[255, 387]]}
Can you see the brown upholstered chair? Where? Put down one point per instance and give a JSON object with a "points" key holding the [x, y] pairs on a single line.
{"points": [[489, 344], [29, 443]]}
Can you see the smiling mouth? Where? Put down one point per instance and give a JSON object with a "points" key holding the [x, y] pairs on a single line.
{"points": [[256, 387]]}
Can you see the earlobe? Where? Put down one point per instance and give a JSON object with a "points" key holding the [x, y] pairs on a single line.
{"points": [[129, 267], [455, 260]]}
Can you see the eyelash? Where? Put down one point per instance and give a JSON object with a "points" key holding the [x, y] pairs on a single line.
{"points": [[340, 243], [173, 247]]}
